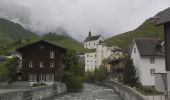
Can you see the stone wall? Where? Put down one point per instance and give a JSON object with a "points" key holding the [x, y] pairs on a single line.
{"points": [[35, 93], [128, 93], [14, 85]]}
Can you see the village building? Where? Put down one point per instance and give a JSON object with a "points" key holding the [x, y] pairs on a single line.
{"points": [[148, 56], [41, 62], [116, 64], [95, 52]]}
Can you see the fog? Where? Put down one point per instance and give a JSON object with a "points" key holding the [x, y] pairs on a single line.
{"points": [[77, 17]]}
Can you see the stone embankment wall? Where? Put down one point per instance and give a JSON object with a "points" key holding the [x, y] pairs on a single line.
{"points": [[128, 93], [34, 93]]}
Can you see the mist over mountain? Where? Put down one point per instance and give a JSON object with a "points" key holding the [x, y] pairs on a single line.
{"points": [[76, 17]]}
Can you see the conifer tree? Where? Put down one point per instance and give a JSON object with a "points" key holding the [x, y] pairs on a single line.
{"points": [[129, 74]]}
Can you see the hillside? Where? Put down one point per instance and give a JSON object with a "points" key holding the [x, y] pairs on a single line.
{"points": [[13, 35], [146, 30], [63, 41], [10, 31]]}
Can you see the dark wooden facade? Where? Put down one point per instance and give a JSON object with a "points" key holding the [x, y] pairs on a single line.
{"points": [[40, 52], [167, 45]]}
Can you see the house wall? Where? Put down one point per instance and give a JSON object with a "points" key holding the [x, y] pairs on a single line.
{"points": [[92, 44], [90, 61], [144, 67], [136, 60], [36, 54]]}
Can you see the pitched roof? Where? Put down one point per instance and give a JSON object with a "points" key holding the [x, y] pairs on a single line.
{"points": [[92, 38], [148, 46], [40, 41], [163, 17]]}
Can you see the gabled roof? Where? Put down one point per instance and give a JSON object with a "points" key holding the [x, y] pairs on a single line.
{"points": [[40, 41], [163, 17], [92, 38], [148, 46]]}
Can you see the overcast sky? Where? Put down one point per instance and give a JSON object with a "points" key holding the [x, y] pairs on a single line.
{"points": [[77, 17]]}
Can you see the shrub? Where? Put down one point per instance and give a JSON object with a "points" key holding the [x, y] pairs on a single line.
{"points": [[89, 77], [74, 83]]}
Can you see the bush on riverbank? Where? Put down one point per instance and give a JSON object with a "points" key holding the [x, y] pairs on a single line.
{"points": [[74, 83], [99, 74], [8, 70], [73, 75]]}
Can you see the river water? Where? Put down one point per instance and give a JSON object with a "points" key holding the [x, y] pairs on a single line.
{"points": [[91, 92]]}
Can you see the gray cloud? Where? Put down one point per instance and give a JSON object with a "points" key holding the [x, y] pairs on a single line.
{"points": [[77, 17]]}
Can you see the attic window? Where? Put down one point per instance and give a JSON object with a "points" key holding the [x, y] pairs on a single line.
{"points": [[51, 54]]}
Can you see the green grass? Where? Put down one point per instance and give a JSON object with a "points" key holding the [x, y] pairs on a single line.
{"points": [[12, 31], [63, 41], [146, 30], [151, 92]]}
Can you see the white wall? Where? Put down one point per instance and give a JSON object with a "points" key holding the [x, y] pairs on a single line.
{"points": [[136, 60], [90, 61], [92, 44]]}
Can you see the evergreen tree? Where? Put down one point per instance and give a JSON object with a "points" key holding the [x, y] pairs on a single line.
{"points": [[9, 70], [73, 76], [129, 74]]}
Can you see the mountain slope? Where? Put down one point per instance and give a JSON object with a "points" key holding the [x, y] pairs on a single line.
{"points": [[10, 31], [146, 30], [13, 35], [63, 41]]}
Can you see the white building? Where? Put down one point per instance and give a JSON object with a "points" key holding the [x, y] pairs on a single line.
{"points": [[148, 58], [97, 51]]}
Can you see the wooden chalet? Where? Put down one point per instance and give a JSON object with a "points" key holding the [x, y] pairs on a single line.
{"points": [[41, 62]]}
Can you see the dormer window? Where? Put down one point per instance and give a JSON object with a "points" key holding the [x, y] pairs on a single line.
{"points": [[51, 64], [51, 54], [42, 63], [30, 64]]}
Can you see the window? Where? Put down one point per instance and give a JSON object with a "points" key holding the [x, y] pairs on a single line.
{"points": [[87, 55], [49, 77], [41, 77], [30, 64], [32, 77], [152, 60], [152, 71], [51, 64], [42, 63], [51, 54], [134, 50]]}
